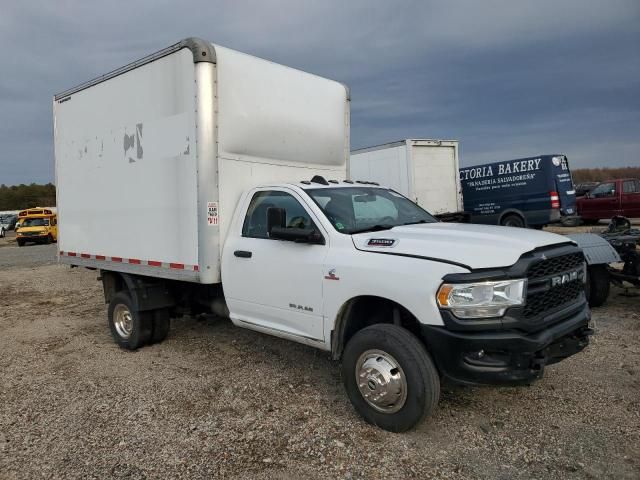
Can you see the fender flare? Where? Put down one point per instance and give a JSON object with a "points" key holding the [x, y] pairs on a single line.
{"points": [[512, 211], [146, 293], [344, 313], [596, 250]]}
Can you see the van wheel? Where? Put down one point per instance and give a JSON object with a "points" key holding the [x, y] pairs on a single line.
{"points": [[512, 221], [597, 285], [161, 324], [389, 377], [129, 328]]}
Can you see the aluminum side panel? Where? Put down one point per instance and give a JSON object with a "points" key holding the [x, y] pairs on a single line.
{"points": [[126, 164]]}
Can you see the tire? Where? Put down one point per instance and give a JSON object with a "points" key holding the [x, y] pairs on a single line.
{"points": [[404, 350], [597, 285], [512, 220], [20, 243], [48, 240], [161, 324], [131, 334]]}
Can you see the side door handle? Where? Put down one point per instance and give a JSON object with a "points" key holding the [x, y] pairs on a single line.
{"points": [[242, 254]]}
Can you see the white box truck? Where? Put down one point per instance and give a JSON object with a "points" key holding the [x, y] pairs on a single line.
{"points": [[426, 171], [201, 179]]}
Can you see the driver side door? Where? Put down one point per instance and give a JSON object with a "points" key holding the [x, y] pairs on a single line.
{"points": [[275, 285]]}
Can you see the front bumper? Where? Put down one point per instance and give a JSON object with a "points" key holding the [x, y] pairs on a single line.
{"points": [[33, 238], [509, 357]]}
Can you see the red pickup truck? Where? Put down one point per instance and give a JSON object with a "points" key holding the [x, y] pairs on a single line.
{"points": [[611, 198]]}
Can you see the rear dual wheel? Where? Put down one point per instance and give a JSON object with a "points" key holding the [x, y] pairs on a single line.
{"points": [[513, 220], [132, 329]]}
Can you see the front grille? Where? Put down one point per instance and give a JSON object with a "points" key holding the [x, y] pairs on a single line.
{"points": [[539, 303], [554, 265], [542, 296]]}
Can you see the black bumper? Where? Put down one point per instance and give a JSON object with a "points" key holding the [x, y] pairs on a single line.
{"points": [[34, 238], [508, 357]]}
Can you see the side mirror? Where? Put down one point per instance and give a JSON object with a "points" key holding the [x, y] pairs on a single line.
{"points": [[298, 235], [276, 217]]}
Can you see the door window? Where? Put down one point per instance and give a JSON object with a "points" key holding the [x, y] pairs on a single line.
{"points": [[604, 190], [255, 222], [631, 186]]}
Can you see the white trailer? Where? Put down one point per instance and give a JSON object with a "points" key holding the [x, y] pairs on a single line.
{"points": [[194, 181], [426, 171]]}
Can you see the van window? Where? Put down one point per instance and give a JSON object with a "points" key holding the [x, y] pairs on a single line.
{"points": [[604, 190]]}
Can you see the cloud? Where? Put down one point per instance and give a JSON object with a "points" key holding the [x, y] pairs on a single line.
{"points": [[505, 78]]}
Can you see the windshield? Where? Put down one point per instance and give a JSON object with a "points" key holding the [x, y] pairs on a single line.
{"points": [[35, 222], [363, 209]]}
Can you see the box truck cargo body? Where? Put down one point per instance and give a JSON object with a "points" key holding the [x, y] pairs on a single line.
{"points": [[203, 180], [151, 159], [426, 171]]}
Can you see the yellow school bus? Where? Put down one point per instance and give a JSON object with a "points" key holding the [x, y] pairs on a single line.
{"points": [[38, 225]]}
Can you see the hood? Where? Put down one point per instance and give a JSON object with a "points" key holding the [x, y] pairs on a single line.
{"points": [[471, 246]]}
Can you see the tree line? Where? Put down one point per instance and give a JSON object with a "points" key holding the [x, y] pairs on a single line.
{"points": [[19, 197], [600, 174]]}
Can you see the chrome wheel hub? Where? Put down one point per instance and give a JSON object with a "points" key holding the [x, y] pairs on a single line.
{"points": [[122, 320], [381, 381]]}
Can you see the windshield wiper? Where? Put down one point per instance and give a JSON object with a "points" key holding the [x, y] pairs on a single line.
{"points": [[374, 228], [415, 223]]}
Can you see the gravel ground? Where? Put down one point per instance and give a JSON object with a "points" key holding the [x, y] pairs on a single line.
{"points": [[217, 401], [31, 255]]}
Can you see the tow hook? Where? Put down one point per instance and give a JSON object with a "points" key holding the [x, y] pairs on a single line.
{"points": [[538, 362]]}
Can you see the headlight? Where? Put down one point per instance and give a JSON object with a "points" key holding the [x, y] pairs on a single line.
{"points": [[482, 299]]}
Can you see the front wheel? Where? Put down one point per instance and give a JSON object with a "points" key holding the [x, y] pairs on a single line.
{"points": [[161, 325], [20, 243], [389, 377]]}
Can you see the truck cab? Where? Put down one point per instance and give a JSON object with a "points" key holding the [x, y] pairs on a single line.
{"points": [[609, 199], [363, 272], [37, 225]]}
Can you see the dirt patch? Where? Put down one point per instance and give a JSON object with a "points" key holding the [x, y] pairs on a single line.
{"points": [[217, 401]]}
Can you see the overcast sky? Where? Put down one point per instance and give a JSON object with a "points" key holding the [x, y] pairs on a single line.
{"points": [[507, 79]]}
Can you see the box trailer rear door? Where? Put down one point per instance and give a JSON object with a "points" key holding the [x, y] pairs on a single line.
{"points": [[435, 177]]}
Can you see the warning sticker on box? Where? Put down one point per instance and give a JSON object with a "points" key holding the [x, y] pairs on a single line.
{"points": [[212, 213]]}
